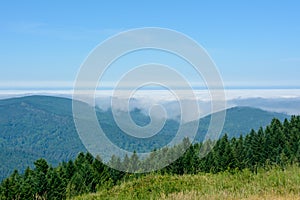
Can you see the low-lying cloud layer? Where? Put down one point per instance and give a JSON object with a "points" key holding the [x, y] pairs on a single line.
{"points": [[285, 101]]}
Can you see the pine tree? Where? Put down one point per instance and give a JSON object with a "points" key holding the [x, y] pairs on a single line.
{"points": [[134, 163], [239, 152], [56, 186], [126, 163], [28, 189], [41, 169], [223, 155]]}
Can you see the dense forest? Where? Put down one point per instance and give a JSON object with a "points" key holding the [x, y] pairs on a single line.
{"points": [[276, 145], [34, 127]]}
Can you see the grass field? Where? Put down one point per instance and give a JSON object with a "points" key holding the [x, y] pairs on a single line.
{"points": [[272, 184]]}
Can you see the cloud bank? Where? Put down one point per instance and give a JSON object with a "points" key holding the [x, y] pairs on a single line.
{"points": [[275, 100]]}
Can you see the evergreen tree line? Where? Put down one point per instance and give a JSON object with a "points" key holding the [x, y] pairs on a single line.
{"points": [[278, 144]]}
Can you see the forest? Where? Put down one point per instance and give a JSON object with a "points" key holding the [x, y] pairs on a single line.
{"points": [[277, 145]]}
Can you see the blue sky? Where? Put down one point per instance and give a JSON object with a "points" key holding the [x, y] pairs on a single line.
{"points": [[253, 43]]}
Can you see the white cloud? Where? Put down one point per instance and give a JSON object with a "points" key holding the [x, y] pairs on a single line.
{"points": [[268, 99]]}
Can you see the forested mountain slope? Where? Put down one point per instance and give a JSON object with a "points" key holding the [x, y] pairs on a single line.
{"points": [[35, 127]]}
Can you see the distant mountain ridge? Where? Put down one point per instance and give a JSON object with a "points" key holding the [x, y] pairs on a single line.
{"points": [[42, 126]]}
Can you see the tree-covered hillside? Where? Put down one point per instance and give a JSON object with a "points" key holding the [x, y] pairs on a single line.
{"points": [[35, 127], [278, 145]]}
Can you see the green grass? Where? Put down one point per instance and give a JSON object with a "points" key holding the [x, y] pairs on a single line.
{"points": [[272, 184]]}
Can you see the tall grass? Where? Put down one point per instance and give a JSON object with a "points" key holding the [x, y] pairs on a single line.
{"points": [[273, 184]]}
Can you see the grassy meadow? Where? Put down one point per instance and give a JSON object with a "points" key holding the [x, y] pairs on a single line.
{"points": [[272, 184]]}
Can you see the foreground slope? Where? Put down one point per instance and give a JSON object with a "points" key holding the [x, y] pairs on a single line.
{"points": [[273, 184]]}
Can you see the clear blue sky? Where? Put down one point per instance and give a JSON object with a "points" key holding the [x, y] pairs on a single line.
{"points": [[253, 43]]}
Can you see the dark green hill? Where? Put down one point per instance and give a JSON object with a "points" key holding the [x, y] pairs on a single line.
{"points": [[33, 127], [42, 126], [240, 121]]}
